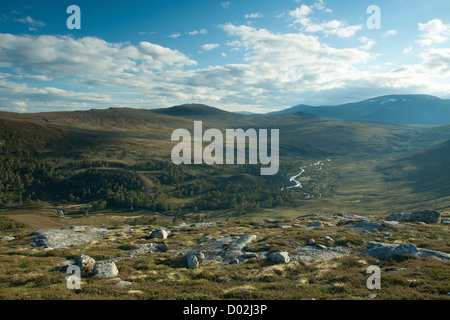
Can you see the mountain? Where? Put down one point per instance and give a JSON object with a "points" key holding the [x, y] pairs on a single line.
{"points": [[396, 109]]}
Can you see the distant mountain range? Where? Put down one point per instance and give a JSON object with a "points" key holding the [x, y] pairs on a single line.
{"points": [[396, 109]]}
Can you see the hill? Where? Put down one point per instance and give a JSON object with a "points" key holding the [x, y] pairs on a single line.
{"points": [[426, 171], [396, 109]]}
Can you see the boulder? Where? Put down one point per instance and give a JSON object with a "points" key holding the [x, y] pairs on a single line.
{"points": [[311, 242], [383, 251], [86, 263], [193, 259], [316, 224], [364, 226], [159, 234], [106, 269], [425, 216], [280, 257], [163, 248]]}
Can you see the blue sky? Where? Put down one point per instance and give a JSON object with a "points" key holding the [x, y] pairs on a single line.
{"points": [[241, 55]]}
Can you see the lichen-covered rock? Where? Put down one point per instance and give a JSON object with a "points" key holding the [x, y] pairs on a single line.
{"points": [[86, 263], [107, 269]]}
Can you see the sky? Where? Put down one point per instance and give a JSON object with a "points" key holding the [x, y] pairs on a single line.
{"points": [[238, 55]]}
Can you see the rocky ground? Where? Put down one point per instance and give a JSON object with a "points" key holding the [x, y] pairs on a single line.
{"points": [[320, 256]]}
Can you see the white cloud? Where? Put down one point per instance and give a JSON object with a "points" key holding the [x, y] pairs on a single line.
{"points": [[210, 46], [332, 27], [256, 15], [196, 32], [33, 25], [407, 50], [367, 43], [174, 35], [389, 33], [434, 32], [225, 4]]}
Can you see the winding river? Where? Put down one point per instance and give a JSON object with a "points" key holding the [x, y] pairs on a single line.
{"points": [[302, 170]]}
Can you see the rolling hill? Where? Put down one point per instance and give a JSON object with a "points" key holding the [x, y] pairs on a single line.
{"points": [[395, 109]]}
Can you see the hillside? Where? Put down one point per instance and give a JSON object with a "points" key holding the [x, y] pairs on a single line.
{"points": [[112, 156], [396, 109], [426, 171]]}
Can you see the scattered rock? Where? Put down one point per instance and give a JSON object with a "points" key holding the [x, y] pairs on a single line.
{"points": [[426, 216], [311, 242], [382, 251], [106, 269], [328, 239], [321, 246], [280, 257], [278, 237], [86, 263], [234, 261], [372, 296], [159, 234]]}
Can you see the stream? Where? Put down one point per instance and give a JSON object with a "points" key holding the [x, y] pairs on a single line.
{"points": [[302, 170]]}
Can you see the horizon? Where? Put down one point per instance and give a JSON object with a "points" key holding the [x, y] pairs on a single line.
{"points": [[252, 56], [237, 111]]}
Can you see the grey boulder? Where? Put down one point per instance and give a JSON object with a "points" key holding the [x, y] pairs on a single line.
{"points": [[425, 216], [280, 257], [107, 269]]}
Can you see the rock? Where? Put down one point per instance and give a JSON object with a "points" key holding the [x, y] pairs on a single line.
{"points": [[383, 251], [106, 269], [365, 226], [426, 216], [280, 257], [312, 253], [234, 261], [205, 239], [328, 239], [445, 221], [321, 246], [123, 284], [372, 296], [193, 259], [221, 250], [159, 234], [284, 226], [236, 248], [250, 255], [316, 224], [163, 248], [67, 237], [311, 242], [86, 263], [7, 238]]}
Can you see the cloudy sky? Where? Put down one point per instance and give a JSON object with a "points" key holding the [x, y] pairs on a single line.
{"points": [[238, 55]]}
